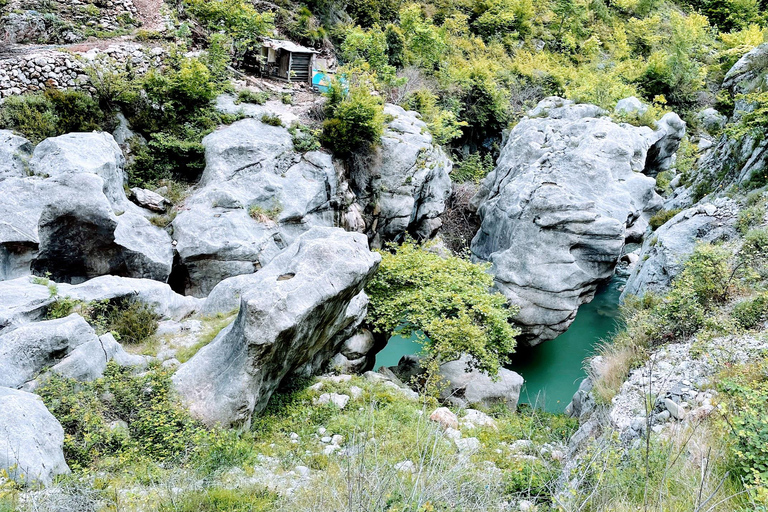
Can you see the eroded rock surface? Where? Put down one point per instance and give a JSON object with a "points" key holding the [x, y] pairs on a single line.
{"points": [[294, 309], [31, 439], [257, 195], [402, 187], [568, 190]]}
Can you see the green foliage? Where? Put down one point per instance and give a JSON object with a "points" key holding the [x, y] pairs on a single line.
{"points": [[747, 391], [221, 500], [249, 96], [448, 299], [157, 428], [371, 12], [729, 15], [38, 116], [443, 124], [752, 312], [751, 216], [264, 215], [754, 122], [354, 122], [133, 321], [272, 120], [238, 19], [473, 167], [661, 217], [304, 138]]}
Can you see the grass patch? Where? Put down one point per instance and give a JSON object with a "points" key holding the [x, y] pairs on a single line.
{"points": [[213, 327]]}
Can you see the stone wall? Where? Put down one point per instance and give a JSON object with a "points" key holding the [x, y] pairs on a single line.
{"points": [[22, 72]]}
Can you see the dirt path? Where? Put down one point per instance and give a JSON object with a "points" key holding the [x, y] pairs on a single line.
{"points": [[150, 13]]}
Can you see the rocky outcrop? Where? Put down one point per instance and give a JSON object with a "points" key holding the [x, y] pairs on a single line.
{"points": [[670, 130], [25, 351], [568, 190], [31, 439], [257, 195], [463, 386], [293, 310], [403, 185], [72, 218], [15, 153], [26, 299], [665, 252]]}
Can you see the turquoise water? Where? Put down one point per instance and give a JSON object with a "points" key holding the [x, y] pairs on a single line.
{"points": [[553, 370]]}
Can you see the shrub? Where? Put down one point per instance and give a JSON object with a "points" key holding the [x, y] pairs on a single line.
{"points": [[261, 214], [472, 168], [443, 124], [661, 217], [751, 216], [221, 500], [272, 120], [133, 322], [157, 428], [38, 116], [448, 300], [249, 96], [355, 121], [304, 138], [751, 312]]}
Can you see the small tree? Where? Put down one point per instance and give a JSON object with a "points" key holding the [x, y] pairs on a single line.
{"points": [[355, 120], [449, 300]]}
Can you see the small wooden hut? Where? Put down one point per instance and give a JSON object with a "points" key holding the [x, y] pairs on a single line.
{"points": [[285, 60]]}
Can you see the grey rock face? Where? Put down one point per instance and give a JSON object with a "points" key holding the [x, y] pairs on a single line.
{"points": [[81, 237], [92, 153], [25, 351], [467, 388], [257, 195], [72, 219], [748, 74], [295, 308], [23, 300], [670, 130], [566, 193], [631, 105], [664, 253], [88, 361], [31, 439], [403, 186], [711, 120], [15, 153]]}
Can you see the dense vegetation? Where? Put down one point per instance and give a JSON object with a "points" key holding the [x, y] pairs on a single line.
{"points": [[447, 301]]}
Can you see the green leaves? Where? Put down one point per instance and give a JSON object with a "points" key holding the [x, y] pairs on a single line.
{"points": [[355, 121], [449, 299]]}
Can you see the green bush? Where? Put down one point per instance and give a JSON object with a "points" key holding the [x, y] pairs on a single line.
{"points": [[448, 300], [157, 427], [249, 96], [304, 138], [133, 322], [272, 120], [661, 217], [751, 216], [38, 116], [751, 313], [472, 168], [355, 121], [221, 500]]}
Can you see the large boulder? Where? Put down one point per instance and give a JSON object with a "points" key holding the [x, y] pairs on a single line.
{"points": [[665, 252], [568, 190], [15, 153], [24, 300], [31, 439], [403, 185], [294, 309], [25, 351], [80, 237], [72, 218], [91, 153], [257, 195], [464, 386]]}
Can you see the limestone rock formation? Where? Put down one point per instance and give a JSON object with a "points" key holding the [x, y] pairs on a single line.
{"points": [[402, 187], [25, 351], [568, 190], [31, 439], [72, 217], [26, 300], [664, 253], [15, 153], [294, 309], [257, 195]]}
